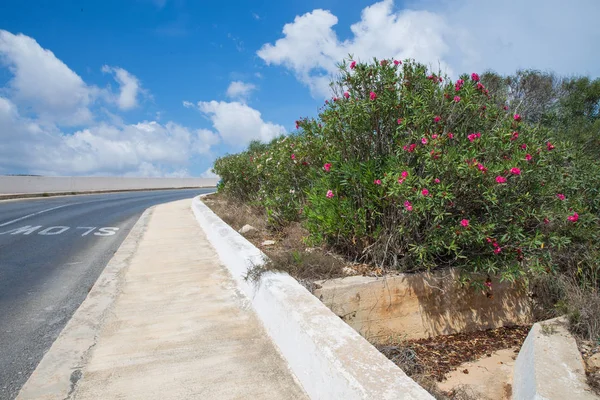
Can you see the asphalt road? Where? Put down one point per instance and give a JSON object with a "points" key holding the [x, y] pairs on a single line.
{"points": [[52, 251]]}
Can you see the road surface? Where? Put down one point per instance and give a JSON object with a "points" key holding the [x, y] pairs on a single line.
{"points": [[52, 250]]}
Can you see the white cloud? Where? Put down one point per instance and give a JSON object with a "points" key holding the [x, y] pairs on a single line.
{"points": [[239, 90], [44, 94], [238, 124], [209, 174], [459, 35], [142, 149], [129, 87], [44, 83]]}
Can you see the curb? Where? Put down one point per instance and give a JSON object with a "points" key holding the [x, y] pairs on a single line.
{"points": [[549, 365], [329, 358], [56, 376]]}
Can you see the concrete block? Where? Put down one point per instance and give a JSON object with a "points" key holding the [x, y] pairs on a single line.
{"points": [[414, 306], [549, 365]]}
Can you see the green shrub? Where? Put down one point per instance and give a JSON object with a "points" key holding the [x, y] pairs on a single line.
{"points": [[408, 170]]}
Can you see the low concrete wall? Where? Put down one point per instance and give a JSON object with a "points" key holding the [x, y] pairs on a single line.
{"points": [[330, 359], [414, 306], [54, 184], [549, 365]]}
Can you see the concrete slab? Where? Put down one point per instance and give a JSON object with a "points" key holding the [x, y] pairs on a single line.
{"points": [[549, 365], [414, 306]]}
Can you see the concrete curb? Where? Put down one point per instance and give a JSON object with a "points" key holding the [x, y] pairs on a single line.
{"points": [[549, 365], [57, 374], [329, 358]]}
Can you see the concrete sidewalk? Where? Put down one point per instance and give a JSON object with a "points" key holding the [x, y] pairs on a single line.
{"points": [[179, 328]]}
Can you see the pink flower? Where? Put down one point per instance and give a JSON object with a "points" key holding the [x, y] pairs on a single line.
{"points": [[573, 218], [474, 77], [425, 192], [297, 124], [515, 136], [411, 148], [404, 174], [488, 284], [517, 117], [400, 181], [408, 206], [482, 168], [437, 119], [528, 157], [546, 221], [500, 179], [424, 140], [434, 136], [515, 171], [377, 181], [473, 136], [459, 84], [524, 146], [436, 180], [346, 95], [497, 250], [373, 96], [396, 62], [399, 121], [480, 86], [560, 196], [329, 194], [549, 146], [456, 99], [352, 64], [505, 108], [293, 156], [450, 135], [327, 167], [464, 222]]}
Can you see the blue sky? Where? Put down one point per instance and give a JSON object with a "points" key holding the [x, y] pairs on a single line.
{"points": [[163, 87]]}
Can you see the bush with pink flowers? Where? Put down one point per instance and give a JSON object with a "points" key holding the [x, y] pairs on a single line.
{"points": [[409, 170]]}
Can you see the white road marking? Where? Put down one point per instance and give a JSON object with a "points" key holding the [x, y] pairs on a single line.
{"points": [[89, 229], [54, 230], [35, 213], [60, 229], [108, 231]]}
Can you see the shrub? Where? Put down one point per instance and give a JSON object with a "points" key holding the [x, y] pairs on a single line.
{"points": [[409, 170]]}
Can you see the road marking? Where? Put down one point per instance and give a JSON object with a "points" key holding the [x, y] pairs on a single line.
{"points": [[60, 229], [35, 213], [54, 230]]}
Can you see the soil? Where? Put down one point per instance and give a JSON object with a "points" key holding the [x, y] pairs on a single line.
{"points": [[490, 377], [590, 353], [441, 354]]}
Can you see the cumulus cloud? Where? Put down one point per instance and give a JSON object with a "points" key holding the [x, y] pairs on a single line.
{"points": [[129, 87], [43, 95], [142, 149], [238, 124], [44, 83], [239, 90], [459, 36]]}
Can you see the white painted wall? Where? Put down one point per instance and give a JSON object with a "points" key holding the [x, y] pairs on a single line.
{"points": [[54, 184]]}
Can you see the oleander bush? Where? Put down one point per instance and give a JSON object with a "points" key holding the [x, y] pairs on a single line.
{"points": [[409, 170]]}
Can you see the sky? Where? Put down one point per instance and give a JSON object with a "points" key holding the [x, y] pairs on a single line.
{"points": [[164, 87]]}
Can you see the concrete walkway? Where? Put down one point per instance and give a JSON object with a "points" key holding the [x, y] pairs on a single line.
{"points": [[179, 329]]}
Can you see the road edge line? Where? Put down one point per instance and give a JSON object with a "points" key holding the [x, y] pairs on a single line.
{"points": [[329, 358], [56, 375]]}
